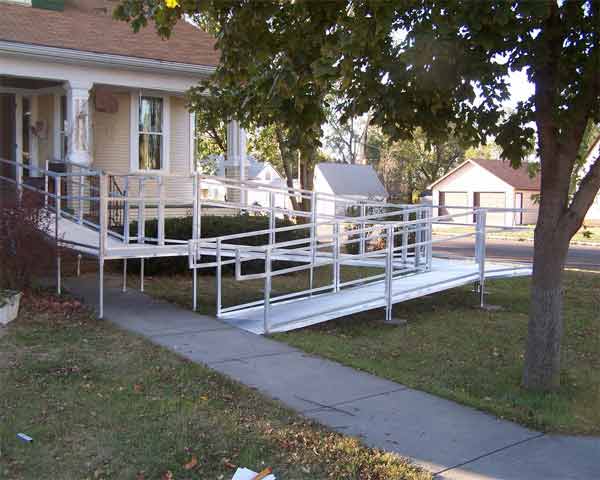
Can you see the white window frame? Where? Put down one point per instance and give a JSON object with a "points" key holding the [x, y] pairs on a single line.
{"points": [[134, 161]]}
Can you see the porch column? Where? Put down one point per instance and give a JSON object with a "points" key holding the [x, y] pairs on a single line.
{"points": [[236, 159], [78, 123]]}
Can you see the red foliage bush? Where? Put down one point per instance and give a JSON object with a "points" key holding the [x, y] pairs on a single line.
{"points": [[27, 248]]}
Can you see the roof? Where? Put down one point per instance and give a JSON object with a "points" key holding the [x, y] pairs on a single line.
{"points": [[255, 167], [352, 180], [518, 178], [94, 30]]}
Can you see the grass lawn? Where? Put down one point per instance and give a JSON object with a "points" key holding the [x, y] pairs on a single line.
{"points": [[101, 403], [453, 350], [585, 234]]}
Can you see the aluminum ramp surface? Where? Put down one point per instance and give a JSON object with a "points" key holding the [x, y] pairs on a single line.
{"points": [[298, 313]]}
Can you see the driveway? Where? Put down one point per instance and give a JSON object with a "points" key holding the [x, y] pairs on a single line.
{"points": [[582, 257]]}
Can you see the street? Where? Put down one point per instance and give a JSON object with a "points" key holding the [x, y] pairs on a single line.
{"points": [[582, 257]]}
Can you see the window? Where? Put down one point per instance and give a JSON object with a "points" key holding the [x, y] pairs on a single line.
{"points": [[150, 133]]}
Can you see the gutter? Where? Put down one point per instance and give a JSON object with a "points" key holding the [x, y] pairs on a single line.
{"points": [[82, 57]]}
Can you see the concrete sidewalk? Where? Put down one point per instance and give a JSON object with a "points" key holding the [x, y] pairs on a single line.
{"points": [[452, 441]]}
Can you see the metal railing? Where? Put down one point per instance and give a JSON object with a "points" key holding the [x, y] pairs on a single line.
{"points": [[400, 247], [333, 232]]}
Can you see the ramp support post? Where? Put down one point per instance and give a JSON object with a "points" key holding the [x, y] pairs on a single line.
{"points": [[79, 264], [102, 244], [142, 275], [480, 249], [313, 233], [336, 257], [124, 275], [101, 288], [389, 274], [219, 275], [405, 218], [195, 287], [58, 274], [363, 213], [57, 204], [267, 305], [271, 218]]}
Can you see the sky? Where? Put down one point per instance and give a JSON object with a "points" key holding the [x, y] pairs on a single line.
{"points": [[520, 88]]}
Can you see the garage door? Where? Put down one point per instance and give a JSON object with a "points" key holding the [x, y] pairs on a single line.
{"points": [[453, 199], [491, 200]]}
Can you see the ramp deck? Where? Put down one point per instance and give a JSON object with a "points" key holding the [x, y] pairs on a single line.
{"points": [[292, 314]]}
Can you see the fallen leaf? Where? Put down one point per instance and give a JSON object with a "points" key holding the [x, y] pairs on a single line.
{"points": [[168, 475], [137, 388], [192, 463]]}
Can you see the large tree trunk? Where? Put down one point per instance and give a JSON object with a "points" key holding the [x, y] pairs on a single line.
{"points": [[545, 328]]}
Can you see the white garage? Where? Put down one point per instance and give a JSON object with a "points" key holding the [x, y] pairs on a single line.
{"points": [[488, 184]]}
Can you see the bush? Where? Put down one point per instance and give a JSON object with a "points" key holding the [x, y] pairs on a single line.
{"points": [[180, 228], [27, 250]]}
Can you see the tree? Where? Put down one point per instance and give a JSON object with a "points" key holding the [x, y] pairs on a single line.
{"points": [[210, 130], [436, 64], [442, 66], [408, 167], [346, 139]]}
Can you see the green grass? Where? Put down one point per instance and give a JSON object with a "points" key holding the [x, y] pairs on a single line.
{"points": [[456, 351], [101, 403], [585, 234], [450, 348]]}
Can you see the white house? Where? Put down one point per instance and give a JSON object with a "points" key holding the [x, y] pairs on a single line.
{"points": [[357, 182], [491, 184], [81, 88], [593, 215], [263, 173]]}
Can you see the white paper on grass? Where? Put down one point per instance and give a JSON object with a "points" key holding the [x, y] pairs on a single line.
{"points": [[247, 474]]}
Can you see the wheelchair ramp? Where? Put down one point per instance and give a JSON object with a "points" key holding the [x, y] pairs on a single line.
{"points": [[293, 314]]}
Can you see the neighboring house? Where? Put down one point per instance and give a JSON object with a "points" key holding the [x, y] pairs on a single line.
{"points": [[593, 215], [81, 88], [491, 184], [357, 182], [264, 174]]}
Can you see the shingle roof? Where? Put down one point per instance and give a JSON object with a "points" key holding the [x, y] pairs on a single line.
{"points": [[90, 31], [518, 178], [359, 180]]}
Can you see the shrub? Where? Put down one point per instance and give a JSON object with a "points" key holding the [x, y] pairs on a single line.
{"points": [[180, 228], [26, 247]]}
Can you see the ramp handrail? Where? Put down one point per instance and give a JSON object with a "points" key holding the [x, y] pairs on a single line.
{"points": [[406, 247]]}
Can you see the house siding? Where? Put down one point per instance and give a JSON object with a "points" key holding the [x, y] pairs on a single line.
{"points": [[111, 132], [111, 137], [177, 188]]}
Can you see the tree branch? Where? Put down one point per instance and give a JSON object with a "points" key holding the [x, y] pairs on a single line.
{"points": [[583, 198]]}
